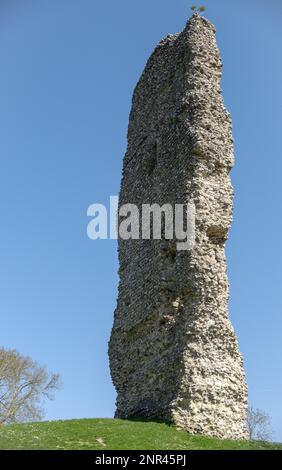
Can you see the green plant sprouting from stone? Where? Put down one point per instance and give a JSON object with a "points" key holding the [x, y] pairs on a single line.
{"points": [[197, 9]]}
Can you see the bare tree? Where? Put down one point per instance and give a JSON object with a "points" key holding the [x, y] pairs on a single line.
{"points": [[259, 425], [23, 386]]}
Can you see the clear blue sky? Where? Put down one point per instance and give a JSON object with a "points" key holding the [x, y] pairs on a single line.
{"points": [[67, 72]]}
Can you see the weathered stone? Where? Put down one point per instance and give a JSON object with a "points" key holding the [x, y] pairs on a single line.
{"points": [[173, 352]]}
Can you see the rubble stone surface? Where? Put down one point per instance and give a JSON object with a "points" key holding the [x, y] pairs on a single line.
{"points": [[173, 351]]}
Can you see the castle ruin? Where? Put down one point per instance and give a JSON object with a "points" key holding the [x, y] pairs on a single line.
{"points": [[173, 353]]}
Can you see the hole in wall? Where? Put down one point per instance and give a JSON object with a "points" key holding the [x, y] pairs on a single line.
{"points": [[217, 234], [153, 157], [170, 251]]}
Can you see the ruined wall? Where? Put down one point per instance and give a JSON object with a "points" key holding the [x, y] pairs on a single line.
{"points": [[173, 352]]}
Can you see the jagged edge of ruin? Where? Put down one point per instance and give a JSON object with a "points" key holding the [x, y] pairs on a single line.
{"points": [[173, 353]]}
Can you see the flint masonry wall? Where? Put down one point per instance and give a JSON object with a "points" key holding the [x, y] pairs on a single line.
{"points": [[173, 352]]}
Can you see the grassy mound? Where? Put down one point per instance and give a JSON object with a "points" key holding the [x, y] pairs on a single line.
{"points": [[113, 434]]}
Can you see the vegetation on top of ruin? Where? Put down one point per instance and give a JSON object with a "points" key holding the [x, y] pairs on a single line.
{"points": [[197, 9], [114, 434]]}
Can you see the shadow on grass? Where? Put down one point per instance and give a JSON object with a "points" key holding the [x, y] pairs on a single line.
{"points": [[151, 419]]}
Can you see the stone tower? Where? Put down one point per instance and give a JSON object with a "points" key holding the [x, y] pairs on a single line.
{"points": [[173, 352]]}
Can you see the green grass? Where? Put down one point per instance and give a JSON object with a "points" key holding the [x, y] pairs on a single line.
{"points": [[112, 434]]}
